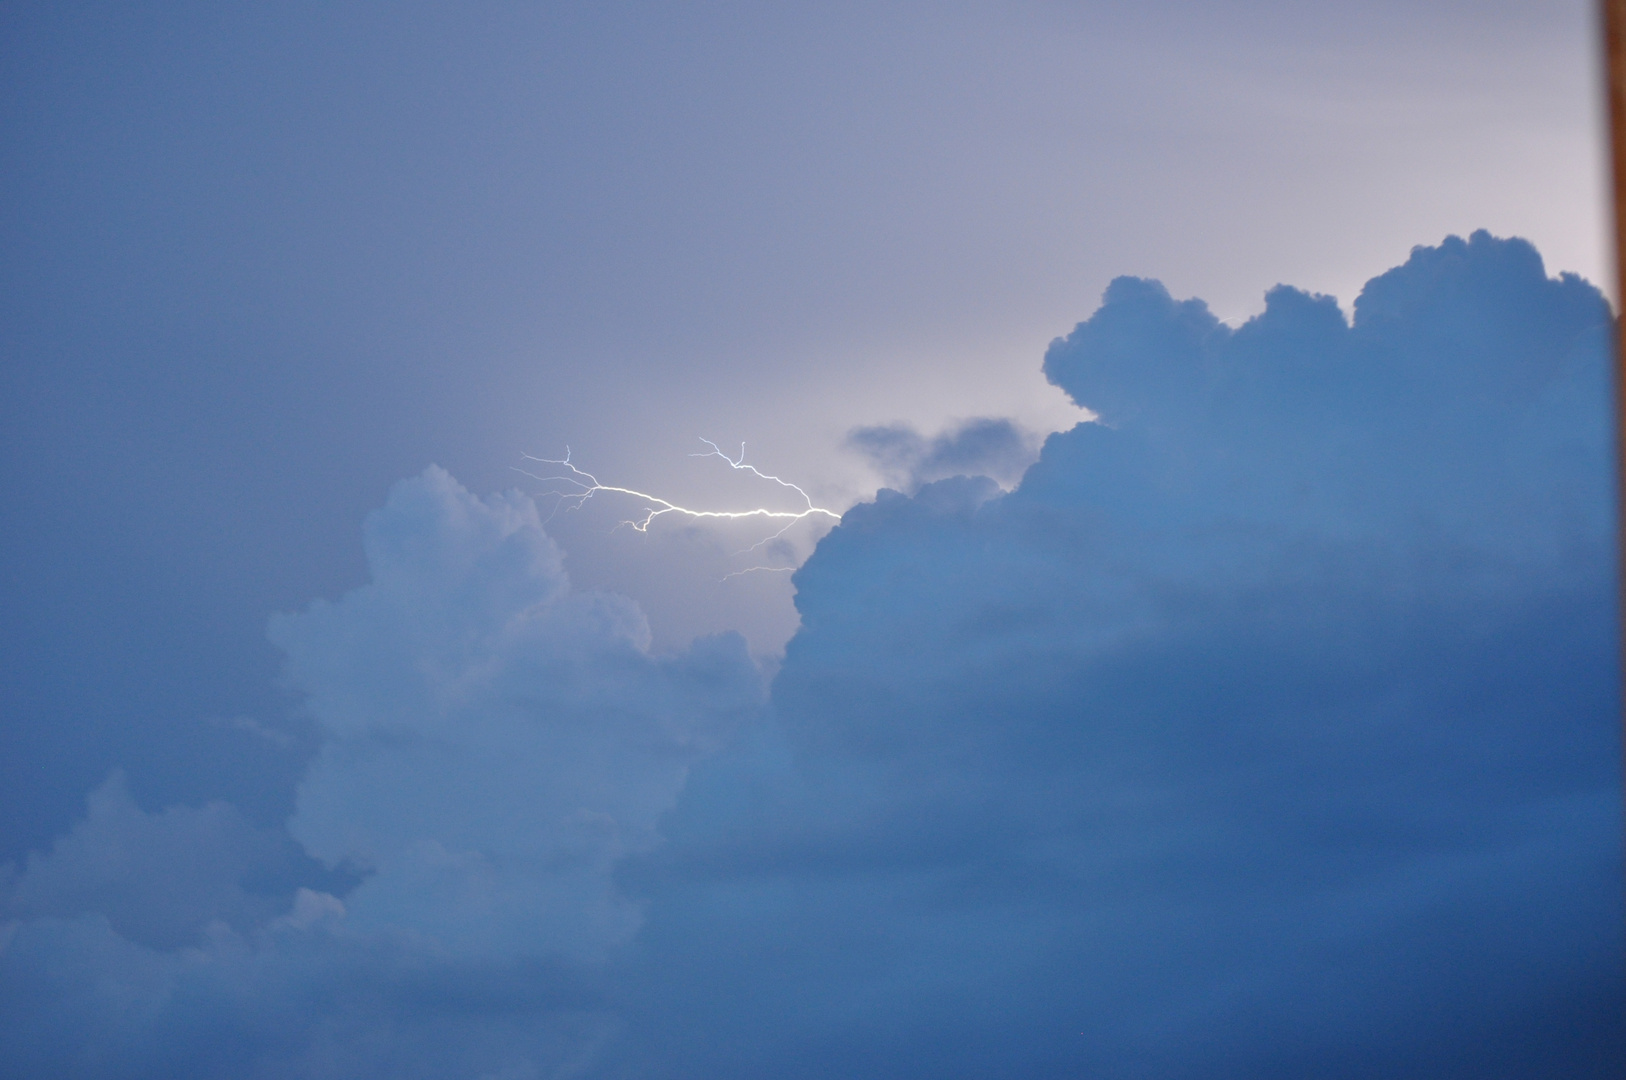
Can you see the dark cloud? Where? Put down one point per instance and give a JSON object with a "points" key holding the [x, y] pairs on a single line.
{"points": [[1269, 728], [986, 446]]}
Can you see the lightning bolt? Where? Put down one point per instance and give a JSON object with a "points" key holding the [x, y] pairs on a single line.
{"points": [[574, 486]]}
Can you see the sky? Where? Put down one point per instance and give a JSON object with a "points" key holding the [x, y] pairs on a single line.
{"points": [[1192, 687]]}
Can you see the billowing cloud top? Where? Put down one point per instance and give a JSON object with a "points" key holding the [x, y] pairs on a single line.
{"points": [[1268, 728], [496, 741]]}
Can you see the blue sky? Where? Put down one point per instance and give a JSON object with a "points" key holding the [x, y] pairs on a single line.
{"points": [[1267, 726]]}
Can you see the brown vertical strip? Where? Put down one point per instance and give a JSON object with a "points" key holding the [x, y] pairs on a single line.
{"points": [[1614, 36], [1614, 44]]}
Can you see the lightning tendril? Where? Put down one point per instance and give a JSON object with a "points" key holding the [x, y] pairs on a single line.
{"points": [[573, 486]]}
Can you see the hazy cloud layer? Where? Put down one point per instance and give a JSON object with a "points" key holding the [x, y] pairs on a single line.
{"points": [[164, 879], [1269, 728]]}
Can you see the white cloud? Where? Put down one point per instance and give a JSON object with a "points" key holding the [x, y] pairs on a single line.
{"points": [[496, 741], [495, 745]]}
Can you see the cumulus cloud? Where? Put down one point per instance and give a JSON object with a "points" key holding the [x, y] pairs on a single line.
{"points": [[495, 744], [993, 447], [1268, 728], [496, 741], [298, 997], [163, 879]]}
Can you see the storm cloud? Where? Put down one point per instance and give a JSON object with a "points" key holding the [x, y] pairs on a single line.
{"points": [[1268, 727]]}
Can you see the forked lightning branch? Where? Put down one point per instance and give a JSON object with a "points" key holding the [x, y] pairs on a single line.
{"points": [[574, 486]]}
